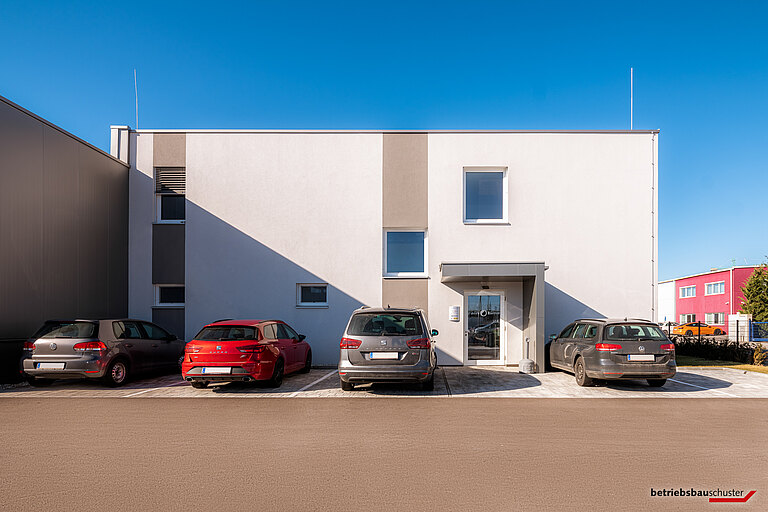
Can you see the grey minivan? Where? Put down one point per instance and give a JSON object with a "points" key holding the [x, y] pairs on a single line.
{"points": [[387, 345], [614, 349], [111, 350]]}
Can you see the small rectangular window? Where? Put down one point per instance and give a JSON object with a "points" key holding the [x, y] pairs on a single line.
{"points": [[171, 208], [312, 295], [715, 288], [687, 291], [405, 254], [485, 195], [169, 295], [715, 318], [687, 318]]}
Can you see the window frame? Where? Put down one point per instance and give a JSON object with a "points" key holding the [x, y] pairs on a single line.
{"points": [[158, 304], [159, 209], [706, 318], [504, 196], [385, 270], [706, 286], [687, 321], [680, 293], [310, 305]]}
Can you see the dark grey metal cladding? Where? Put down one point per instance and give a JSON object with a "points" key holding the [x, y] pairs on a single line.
{"points": [[170, 319], [168, 254], [453, 272]]}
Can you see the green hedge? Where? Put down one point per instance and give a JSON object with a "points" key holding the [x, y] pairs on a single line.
{"points": [[707, 348]]}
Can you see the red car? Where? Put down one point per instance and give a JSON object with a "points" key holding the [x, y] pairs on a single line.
{"points": [[245, 351]]}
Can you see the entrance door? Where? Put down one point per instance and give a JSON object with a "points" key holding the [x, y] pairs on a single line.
{"points": [[485, 333]]}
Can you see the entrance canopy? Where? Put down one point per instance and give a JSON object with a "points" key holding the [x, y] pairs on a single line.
{"points": [[531, 274]]}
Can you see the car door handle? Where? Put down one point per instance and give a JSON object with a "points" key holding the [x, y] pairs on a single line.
{"points": [[128, 345]]}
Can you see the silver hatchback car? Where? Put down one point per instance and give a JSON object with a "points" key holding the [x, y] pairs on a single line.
{"points": [[388, 345]]}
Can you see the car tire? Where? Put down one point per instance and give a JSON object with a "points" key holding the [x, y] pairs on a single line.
{"points": [[38, 382], [277, 375], [308, 363], [346, 386], [198, 384], [117, 373], [718, 332], [429, 384], [689, 333], [656, 383], [581, 373]]}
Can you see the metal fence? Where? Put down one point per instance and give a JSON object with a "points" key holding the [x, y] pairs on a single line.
{"points": [[759, 331]]}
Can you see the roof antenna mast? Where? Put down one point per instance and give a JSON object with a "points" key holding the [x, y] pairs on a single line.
{"points": [[136, 95], [631, 97]]}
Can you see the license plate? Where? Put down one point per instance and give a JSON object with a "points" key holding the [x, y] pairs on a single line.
{"points": [[385, 355], [641, 357], [50, 366], [217, 369]]}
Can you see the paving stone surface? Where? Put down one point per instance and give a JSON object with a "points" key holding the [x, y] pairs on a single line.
{"points": [[473, 381]]}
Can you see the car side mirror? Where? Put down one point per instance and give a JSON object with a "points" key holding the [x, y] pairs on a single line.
{"points": [[552, 337], [434, 332], [302, 337]]}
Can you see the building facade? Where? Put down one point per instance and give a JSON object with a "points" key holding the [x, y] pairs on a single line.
{"points": [[502, 237], [709, 297]]}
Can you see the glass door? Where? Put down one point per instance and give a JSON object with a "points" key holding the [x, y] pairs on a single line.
{"points": [[485, 328]]}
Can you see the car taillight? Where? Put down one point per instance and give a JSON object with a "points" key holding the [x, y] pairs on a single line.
{"points": [[29, 345], [419, 343], [192, 348], [350, 343], [668, 346], [87, 346], [252, 349], [605, 347]]}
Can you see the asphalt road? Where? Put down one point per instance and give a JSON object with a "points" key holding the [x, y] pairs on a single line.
{"points": [[388, 454]]}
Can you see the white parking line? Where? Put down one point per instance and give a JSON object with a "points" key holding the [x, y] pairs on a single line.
{"points": [[154, 389], [312, 384], [702, 387]]}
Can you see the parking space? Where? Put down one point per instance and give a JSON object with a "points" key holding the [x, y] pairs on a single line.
{"points": [[479, 382]]}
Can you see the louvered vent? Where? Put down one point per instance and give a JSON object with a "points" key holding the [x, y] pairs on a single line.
{"points": [[170, 180]]}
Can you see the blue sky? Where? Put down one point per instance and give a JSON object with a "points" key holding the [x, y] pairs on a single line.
{"points": [[701, 71]]}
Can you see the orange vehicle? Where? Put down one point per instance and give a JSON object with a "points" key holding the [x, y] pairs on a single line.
{"points": [[696, 328]]}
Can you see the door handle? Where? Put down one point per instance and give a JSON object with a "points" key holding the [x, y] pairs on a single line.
{"points": [[129, 345]]}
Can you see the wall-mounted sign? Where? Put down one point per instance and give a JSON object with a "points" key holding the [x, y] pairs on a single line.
{"points": [[454, 313]]}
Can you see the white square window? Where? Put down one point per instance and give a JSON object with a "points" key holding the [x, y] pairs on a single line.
{"points": [[715, 288], [405, 253], [687, 291], [170, 209], [687, 318], [169, 295], [715, 318], [310, 295], [485, 195]]}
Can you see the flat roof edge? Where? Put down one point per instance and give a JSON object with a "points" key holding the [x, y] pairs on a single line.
{"points": [[615, 132], [60, 129]]}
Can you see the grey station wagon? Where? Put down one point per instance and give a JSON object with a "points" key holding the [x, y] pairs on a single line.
{"points": [[387, 345], [614, 349], [111, 350]]}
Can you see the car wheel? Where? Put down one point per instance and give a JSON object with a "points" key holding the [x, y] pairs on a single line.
{"points": [[581, 373], [117, 373], [346, 386], [200, 384], [689, 333], [38, 382], [277, 374], [429, 384], [656, 383], [307, 363], [718, 332]]}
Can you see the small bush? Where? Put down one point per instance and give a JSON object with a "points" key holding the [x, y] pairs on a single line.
{"points": [[760, 355], [726, 350]]}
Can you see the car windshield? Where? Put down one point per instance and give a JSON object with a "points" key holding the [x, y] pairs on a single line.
{"points": [[385, 324], [633, 332], [67, 330], [227, 333]]}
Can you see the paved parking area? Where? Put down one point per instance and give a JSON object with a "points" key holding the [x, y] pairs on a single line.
{"points": [[479, 382]]}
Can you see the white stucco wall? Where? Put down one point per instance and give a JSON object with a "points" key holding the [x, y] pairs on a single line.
{"points": [[268, 211], [581, 203], [667, 302]]}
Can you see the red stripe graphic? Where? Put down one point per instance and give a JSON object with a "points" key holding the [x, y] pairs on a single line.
{"points": [[732, 500]]}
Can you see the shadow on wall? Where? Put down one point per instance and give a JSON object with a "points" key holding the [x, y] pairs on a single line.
{"points": [[562, 309], [229, 274]]}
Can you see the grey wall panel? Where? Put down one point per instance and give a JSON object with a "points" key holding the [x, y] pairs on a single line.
{"points": [[57, 220], [408, 293], [170, 150], [170, 319], [404, 187], [168, 254]]}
